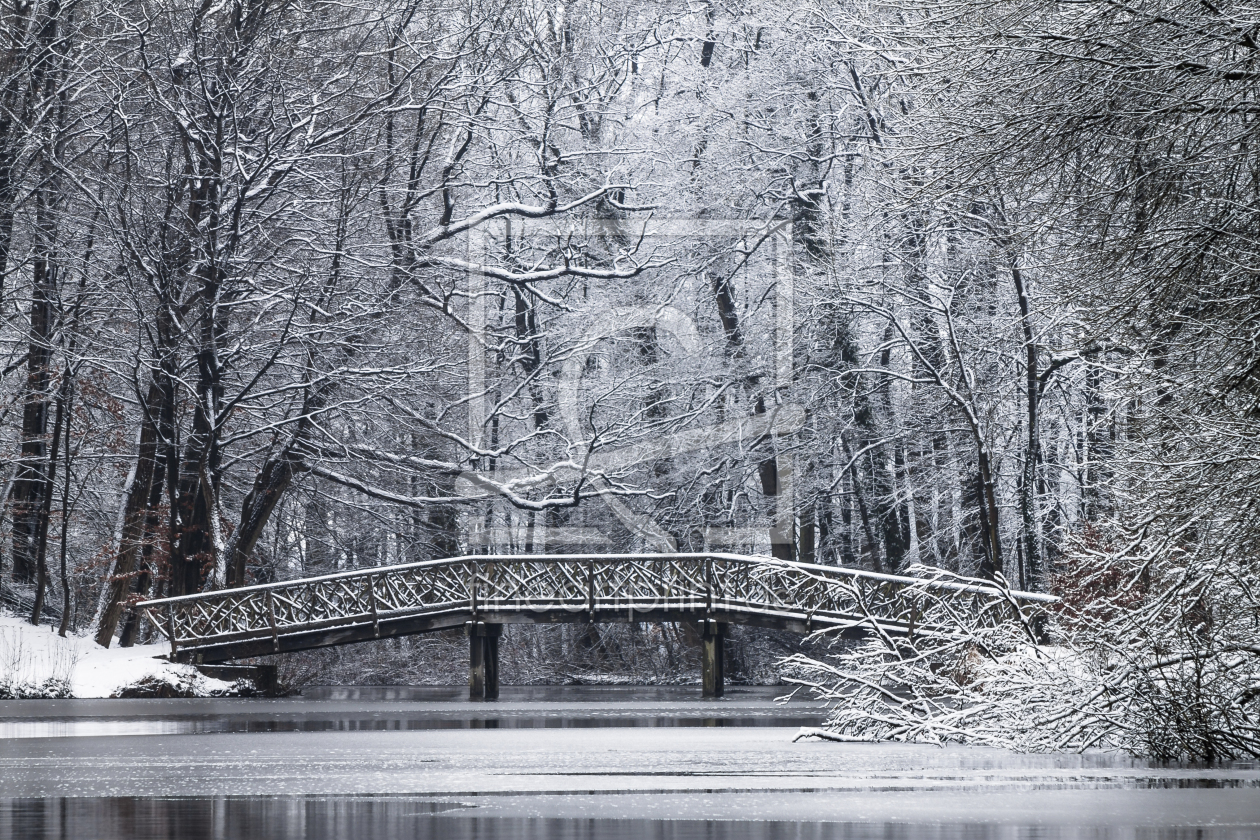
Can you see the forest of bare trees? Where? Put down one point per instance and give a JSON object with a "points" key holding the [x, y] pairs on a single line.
{"points": [[289, 287]]}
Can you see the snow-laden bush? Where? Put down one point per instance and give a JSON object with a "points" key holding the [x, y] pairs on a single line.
{"points": [[29, 672], [1161, 665]]}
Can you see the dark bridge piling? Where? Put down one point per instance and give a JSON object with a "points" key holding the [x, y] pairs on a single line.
{"points": [[713, 658], [483, 659]]}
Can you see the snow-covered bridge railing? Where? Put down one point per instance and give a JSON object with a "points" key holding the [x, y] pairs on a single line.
{"points": [[482, 592]]}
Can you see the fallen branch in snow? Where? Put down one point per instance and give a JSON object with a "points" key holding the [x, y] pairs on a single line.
{"points": [[828, 735]]}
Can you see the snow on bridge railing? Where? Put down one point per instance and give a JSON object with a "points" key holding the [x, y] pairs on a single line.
{"points": [[684, 585]]}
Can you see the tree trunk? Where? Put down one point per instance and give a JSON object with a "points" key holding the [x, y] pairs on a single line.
{"points": [[891, 515], [30, 486], [273, 480], [45, 512], [199, 553], [992, 562], [1028, 483], [136, 510], [67, 405]]}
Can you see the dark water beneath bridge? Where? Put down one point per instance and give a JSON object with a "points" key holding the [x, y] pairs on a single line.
{"points": [[572, 762]]}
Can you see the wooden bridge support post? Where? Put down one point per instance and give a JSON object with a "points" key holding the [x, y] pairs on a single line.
{"points": [[483, 659], [713, 658]]}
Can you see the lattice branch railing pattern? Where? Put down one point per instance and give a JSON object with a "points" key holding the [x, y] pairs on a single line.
{"points": [[597, 587]]}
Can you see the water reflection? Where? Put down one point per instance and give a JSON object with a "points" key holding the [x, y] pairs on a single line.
{"points": [[211, 724], [418, 818], [556, 693], [407, 708]]}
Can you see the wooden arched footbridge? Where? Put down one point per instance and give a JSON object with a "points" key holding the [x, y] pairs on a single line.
{"points": [[483, 593]]}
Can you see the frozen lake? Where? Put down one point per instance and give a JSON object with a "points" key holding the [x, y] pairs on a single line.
{"points": [[577, 762]]}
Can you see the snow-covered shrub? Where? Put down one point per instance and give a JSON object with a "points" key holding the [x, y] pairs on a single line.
{"points": [[1174, 623], [1157, 673], [29, 671], [184, 683], [950, 683]]}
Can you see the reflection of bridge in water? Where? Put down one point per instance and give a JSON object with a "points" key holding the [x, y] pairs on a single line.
{"points": [[483, 593]]}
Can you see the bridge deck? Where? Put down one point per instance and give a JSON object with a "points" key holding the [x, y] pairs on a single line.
{"points": [[421, 597]]}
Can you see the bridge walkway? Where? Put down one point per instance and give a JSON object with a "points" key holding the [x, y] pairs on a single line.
{"points": [[481, 593]]}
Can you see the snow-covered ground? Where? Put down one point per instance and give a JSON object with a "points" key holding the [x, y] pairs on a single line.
{"points": [[35, 661]]}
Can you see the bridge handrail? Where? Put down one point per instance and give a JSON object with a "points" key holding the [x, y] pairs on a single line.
{"points": [[676, 586], [972, 585]]}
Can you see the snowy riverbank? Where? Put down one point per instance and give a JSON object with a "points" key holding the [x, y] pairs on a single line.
{"points": [[36, 662]]}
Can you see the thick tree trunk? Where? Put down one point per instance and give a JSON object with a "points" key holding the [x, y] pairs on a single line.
{"points": [[45, 513], [199, 553], [32, 480], [68, 400], [42, 57], [807, 545], [273, 480], [15, 68], [192, 555], [136, 511]]}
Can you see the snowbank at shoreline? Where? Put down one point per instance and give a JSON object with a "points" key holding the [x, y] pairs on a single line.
{"points": [[36, 662]]}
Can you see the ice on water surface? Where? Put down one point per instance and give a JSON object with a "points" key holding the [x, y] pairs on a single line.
{"points": [[658, 763]]}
